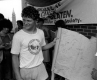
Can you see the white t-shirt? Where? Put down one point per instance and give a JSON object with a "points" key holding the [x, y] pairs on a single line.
{"points": [[29, 48]]}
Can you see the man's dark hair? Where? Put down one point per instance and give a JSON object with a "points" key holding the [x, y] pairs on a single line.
{"points": [[30, 12]]}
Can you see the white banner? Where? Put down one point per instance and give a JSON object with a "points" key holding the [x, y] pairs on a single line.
{"points": [[71, 11]]}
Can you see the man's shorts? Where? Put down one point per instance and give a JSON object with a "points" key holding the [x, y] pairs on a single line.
{"points": [[36, 73]]}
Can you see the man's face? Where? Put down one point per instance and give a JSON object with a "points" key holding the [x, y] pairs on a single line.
{"points": [[28, 23]]}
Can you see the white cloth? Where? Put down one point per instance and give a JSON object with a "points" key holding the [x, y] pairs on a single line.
{"points": [[29, 48], [75, 56]]}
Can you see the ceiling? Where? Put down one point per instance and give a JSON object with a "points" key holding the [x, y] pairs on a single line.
{"points": [[42, 3]]}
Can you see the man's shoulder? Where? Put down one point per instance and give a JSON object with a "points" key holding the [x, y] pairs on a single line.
{"points": [[18, 34], [40, 30]]}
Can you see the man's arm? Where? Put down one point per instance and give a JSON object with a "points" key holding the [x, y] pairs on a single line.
{"points": [[15, 60], [49, 45]]}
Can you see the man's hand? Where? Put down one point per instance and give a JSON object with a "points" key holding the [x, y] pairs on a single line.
{"points": [[55, 40]]}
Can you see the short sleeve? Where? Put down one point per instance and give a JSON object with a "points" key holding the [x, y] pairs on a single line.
{"points": [[43, 39], [15, 49]]}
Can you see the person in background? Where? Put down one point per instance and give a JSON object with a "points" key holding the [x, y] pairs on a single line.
{"points": [[46, 31], [58, 23], [1, 47], [27, 46], [19, 25], [6, 27]]}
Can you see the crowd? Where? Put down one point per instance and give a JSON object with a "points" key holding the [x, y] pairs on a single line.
{"points": [[18, 60], [24, 53], [5, 47]]}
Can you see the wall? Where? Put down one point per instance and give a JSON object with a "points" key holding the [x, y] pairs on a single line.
{"points": [[87, 30]]}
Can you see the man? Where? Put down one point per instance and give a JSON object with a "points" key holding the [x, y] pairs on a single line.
{"points": [[27, 46]]}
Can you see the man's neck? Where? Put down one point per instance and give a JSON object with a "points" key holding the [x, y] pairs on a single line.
{"points": [[31, 31]]}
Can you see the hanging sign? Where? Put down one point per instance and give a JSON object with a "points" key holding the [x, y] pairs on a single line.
{"points": [[71, 11]]}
